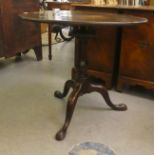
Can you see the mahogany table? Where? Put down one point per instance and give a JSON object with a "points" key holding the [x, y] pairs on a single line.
{"points": [[84, 23]]}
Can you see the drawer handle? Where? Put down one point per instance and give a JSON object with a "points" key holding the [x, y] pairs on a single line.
{"points": [[144, 44]]}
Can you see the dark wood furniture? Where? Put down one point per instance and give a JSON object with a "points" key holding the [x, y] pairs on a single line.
{"points": [[137, 61], [17, 36], [118, 63], [84, 23], [60, 5]]}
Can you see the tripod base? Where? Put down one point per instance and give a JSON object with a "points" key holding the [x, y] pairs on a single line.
{"points": [[81, 87]]}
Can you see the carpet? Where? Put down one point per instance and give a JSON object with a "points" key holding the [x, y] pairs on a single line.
{"points": [[91, 148], [44, 37]]}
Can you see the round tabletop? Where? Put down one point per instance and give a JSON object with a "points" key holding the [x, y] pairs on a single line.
{"points": [[74, 17]]}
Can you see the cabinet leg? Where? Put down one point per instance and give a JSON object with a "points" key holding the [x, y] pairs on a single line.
{"points": [[38, 52], [18, 57], [120, 86]]}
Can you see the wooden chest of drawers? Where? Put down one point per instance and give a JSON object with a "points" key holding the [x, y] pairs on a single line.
{"points": [[16, 35], [137, 53]]}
